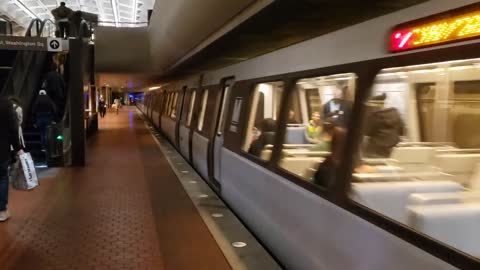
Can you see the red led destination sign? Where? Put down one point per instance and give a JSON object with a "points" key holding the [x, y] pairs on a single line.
{"points": [[456, 25]]}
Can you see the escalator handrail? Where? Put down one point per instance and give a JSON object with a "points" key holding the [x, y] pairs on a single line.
{"points": [[44, 22], [28, 33]]}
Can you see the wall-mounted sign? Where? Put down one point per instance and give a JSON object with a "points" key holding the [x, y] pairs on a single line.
{"points": [[32, 44], [451, 26]]}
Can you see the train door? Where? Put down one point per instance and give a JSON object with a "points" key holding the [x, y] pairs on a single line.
{"points": [[219, 137]]}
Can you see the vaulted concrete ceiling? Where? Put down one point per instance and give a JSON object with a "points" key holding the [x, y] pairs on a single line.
{"points": [[177, 26], [110, 12]]}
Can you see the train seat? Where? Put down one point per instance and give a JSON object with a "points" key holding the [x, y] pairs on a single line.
{"points": [[443, 198], [391, 198], [300, 165], [453, 224], [266, 154], [460, 165], [413, 154], [295, 135]]}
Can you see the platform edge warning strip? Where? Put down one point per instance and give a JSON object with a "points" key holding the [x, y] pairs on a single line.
{"points": [[254, 256]]}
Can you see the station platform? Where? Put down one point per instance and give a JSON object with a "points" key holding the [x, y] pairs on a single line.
{"points": [[126, 209]]}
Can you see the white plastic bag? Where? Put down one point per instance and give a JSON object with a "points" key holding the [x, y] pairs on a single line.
{"points": [[28, 180]]}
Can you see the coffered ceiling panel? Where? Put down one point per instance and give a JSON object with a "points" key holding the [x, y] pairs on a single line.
{"points": [[119, 13]]}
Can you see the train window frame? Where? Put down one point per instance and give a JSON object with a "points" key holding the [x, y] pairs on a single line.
{"points": [[174, 112], [227, 85], [191, 106], [282, 128], [203, 109], [449, 87], [253, 102], [167, 103]]}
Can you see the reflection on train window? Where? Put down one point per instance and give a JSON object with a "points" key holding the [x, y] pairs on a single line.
{"points": [[262, 123], [173, 112], [419, 163], [190, 107], [169, 101], [319, 110], [221, 121], [203, 107]]}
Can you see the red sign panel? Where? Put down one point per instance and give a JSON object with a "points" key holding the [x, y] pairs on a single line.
{"points": [[463, 24]]}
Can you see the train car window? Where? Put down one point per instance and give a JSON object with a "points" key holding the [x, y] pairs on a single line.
{"points": [[167, 103], [226, 95], [190, 107], [319, 110], [262, 119], [419, 163], [173, 113], [203, 107]]}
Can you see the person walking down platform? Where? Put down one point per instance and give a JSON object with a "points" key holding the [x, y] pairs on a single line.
{"points": [[61, 15], [102, 107], [8, 138], [44, 112], [117, 103]]}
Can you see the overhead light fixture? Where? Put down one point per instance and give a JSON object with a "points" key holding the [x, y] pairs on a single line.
{"points": [[24, 8], [154, 88], [115, 11], [135, 5]]}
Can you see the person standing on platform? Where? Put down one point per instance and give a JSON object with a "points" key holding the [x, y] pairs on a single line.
{"points": [[44, 111], [8, 138], [61, 15], [118, 104], [102, 107]]}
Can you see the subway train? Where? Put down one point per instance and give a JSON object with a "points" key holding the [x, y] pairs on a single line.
{"points": [[407, 82]]}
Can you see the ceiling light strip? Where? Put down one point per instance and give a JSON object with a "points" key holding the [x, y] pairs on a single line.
{"points": [[115, 11], [24, 8]]}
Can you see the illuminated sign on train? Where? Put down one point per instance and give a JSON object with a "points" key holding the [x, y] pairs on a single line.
{"points": [[417, 34]]}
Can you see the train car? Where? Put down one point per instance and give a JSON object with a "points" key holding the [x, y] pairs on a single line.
{"points": [[359, 149]]}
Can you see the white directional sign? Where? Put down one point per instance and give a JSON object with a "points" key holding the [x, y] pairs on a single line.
{"points": [[55, 44]]}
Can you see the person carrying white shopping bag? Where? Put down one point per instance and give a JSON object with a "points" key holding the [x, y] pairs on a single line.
{"points": [[22, 173], [8, 137]]}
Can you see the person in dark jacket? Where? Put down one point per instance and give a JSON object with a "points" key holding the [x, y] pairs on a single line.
{"points": [[268, 128], [102, 107], [44, 111], [325, 175], [338, 108], [9, 138], [56, 90], [383, 128], [61, 15]]}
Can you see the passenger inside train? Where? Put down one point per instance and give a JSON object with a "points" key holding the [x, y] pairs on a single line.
{"points": [[383, 128], [266, 137], [338, 108]]}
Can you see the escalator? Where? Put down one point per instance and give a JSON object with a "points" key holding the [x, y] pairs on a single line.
{"points": [[21, 75]]}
